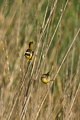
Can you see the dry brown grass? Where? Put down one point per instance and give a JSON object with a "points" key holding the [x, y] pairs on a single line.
{"points": [[54, 28]]}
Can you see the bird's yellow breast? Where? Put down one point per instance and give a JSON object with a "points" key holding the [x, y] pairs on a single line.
{"points": [[45, 79], [29, 57]]}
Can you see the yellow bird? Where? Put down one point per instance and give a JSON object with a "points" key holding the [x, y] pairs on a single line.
{"points": [[29, 52], [45, 78]]}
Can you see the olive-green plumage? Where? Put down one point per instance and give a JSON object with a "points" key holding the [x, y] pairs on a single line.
{"points": [[45, 78], [29, 52]]}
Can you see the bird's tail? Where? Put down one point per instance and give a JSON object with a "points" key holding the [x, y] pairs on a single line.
{"points": [[48, 73], [31, 45]]}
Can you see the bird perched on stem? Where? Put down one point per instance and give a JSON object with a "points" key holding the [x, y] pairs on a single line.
{"points": [[29, 52], [45, 78]]}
